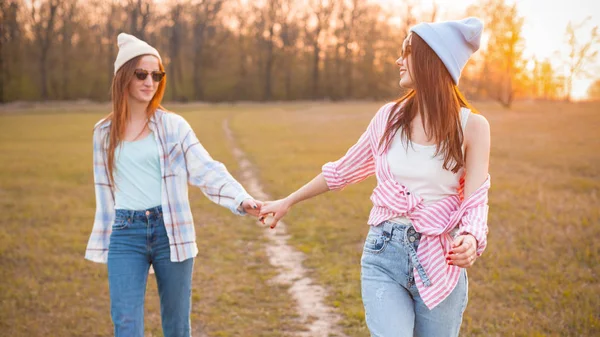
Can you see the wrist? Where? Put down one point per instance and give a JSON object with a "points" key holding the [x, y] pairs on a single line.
{"points": [[289, 201]]}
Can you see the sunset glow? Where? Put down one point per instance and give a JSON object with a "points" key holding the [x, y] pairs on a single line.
{"points": [[543, 30]]}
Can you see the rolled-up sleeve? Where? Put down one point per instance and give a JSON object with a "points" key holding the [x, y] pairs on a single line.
{"points": [[474, 222], [359, 162], [474, 219], [355, 166]]}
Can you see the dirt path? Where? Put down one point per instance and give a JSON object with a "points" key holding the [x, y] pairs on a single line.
{"points": [[319, 319]]}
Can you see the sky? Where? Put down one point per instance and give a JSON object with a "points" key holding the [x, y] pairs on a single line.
{"points": [[544, 28]]}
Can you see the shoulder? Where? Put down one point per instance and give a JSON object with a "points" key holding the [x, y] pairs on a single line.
{"points": [[477, 124], [171, 119], [384, 112], [386, 109], [103, 123], [477, 129], [102, 126]]}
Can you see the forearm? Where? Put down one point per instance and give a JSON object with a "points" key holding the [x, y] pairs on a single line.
{"points": [[315, 187]]}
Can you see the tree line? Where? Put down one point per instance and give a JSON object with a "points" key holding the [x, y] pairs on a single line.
{"points": [[258, 50]]}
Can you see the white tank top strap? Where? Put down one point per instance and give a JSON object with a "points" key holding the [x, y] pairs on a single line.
{"points": [[464, 116]]}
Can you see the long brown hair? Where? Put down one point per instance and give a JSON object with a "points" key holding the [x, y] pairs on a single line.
{"points": [[437, 99], [120, 113]]}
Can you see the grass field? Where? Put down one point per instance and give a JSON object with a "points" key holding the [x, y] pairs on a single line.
{"points": [[538, 277]]}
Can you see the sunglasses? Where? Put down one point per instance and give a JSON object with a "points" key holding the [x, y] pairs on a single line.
{"points": [[406, 50], [141, 75]]}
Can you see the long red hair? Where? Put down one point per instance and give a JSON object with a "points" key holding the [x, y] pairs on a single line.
{"points": [[437, 99], [120, 113]]}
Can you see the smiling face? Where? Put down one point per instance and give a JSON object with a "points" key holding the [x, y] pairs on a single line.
{"points": [[405, 64], [143, 90]]}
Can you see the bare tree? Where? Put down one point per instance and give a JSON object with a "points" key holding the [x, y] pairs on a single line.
{"points": [[10, 35], [43, 21], [242, 20], [321, 11], [348, 16], [580, 54], [176, 35], [67, 20], [139, 17], [206, 13], [289, 35], [270, 17]]}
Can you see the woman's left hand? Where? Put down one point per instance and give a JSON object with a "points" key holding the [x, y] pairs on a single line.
{"points": [[464, 251]]}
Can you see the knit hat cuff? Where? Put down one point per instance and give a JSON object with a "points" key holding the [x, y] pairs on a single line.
{"points": [[439, 46]]}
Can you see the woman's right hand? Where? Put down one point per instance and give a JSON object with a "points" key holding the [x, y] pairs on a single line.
{"points": [[277, 208]]}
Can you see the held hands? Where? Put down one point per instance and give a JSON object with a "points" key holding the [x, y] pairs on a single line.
{"points": [[268, 212], [277, 209], [252, 206], [464, 251]]}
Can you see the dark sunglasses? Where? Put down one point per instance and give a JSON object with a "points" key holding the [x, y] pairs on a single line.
{"points": [[141, 75], [406, 50]]}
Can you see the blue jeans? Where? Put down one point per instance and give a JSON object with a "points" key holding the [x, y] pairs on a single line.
{"points": [[138, 240], [393, 306]]}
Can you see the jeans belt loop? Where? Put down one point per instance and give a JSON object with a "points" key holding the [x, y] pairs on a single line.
{"points": [[388, 229]]}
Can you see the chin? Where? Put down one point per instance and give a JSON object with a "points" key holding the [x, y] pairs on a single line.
{"points": [[143, 98], [405, 85]]}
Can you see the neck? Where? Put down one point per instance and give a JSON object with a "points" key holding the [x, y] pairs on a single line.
{"points": [[137, 110]]}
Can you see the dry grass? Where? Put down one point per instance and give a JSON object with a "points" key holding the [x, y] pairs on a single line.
{"points": [[539, 275]]}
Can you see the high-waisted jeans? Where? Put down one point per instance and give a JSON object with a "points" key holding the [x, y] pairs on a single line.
{"points": [[138, 240], [393, 306]]}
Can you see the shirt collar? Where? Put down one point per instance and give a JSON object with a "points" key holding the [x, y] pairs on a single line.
{"points": [[152, 124]]}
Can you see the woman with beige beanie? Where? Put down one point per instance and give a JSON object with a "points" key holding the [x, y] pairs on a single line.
{"points": [[144, 158]]}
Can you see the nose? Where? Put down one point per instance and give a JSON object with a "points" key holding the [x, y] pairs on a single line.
{"points": [[148, 80], [399, 61]]}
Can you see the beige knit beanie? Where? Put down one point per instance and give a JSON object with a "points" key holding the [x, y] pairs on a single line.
{"points": [[130, 47]]}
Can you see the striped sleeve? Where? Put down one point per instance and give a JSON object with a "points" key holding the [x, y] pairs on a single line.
{"points": [[359, 162], [474, 219], [357, 165], [474, 222]]}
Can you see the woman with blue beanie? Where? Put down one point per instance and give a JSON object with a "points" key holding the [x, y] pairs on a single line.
{"points": [[144, 158], [430, 154]]}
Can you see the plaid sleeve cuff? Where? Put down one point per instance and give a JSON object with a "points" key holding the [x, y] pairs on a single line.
{"points": [[238, 209]]}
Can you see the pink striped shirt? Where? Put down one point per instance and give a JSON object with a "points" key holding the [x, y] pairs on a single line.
{"points": [[391, 199]]}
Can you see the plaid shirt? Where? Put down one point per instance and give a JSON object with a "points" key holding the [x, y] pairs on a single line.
{"points": [[183, 160]]}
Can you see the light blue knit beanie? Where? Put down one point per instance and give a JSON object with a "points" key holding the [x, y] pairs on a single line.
{"points": [[453, 41]]}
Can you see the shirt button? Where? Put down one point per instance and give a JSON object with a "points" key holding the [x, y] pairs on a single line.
{"points": [[407, 193]]}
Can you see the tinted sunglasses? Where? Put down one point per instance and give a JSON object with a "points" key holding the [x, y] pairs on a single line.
{"points": [[406, 50], [141, 75]]}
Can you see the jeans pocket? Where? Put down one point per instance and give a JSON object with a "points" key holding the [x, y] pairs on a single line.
{"points": [[375, 243], [120, 223]]}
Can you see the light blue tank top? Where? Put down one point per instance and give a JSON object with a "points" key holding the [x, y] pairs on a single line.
{"points": [[137, 175]]}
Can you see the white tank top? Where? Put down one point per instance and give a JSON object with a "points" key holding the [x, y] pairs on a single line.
{"points": [[416, 167]]}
